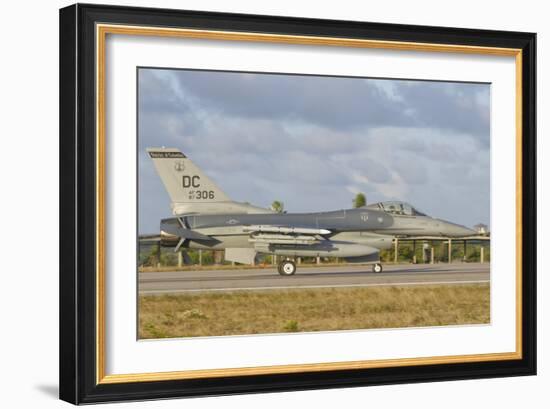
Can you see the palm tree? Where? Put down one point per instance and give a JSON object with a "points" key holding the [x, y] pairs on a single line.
{"points": [[277, 206], [360, 200]]}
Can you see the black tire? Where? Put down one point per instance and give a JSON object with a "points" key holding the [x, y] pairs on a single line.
{"points": [[287, 268], [377, 268]]}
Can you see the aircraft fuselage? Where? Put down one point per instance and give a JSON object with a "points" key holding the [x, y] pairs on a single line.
{"points": [[363, 226]]}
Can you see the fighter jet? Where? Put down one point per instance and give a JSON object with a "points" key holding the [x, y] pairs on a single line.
{"points": [[204, 217]]}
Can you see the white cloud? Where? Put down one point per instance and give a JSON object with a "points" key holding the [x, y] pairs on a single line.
{"points": [[405, 142]]}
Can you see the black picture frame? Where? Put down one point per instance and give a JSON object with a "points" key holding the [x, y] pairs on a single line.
{"points": [[78, 258]]}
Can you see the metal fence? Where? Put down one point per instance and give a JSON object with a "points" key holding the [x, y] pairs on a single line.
{"points": [[427, 250]]}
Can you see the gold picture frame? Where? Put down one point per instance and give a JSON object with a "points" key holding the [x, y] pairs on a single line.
{"points": [[96, 23]]}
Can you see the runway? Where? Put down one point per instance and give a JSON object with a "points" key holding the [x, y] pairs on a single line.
{"points": [[311, 277]]}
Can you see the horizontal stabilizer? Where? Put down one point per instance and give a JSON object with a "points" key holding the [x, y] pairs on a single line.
{"points": [[172, 226], [149, 238]]}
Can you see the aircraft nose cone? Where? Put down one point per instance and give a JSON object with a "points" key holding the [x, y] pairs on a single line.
{"points": [[456, 230]]}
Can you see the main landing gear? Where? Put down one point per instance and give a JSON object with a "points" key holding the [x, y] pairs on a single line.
{"points": [[287, 268], [377, 268]]}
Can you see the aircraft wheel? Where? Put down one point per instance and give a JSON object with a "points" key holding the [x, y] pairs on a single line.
{"points": [[287, 268], [377, 268]]}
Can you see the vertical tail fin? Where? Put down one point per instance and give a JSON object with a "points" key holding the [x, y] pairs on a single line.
{"points": [[183, 180]]}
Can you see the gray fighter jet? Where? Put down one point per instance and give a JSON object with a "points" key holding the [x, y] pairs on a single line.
{"points": [[205, 218]]}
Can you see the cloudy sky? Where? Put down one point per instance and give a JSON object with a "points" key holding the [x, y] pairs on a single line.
{"points": [[314, 142]]}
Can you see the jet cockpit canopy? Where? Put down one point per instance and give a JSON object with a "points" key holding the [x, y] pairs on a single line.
{"points": [[397, 208]]}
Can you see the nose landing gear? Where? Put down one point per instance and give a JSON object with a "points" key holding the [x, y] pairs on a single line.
{"points": [[287, 268], [377, 268]]}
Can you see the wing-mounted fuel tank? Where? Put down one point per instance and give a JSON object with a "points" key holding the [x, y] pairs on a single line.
{"points": [[378, 241], [325, 248]]}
